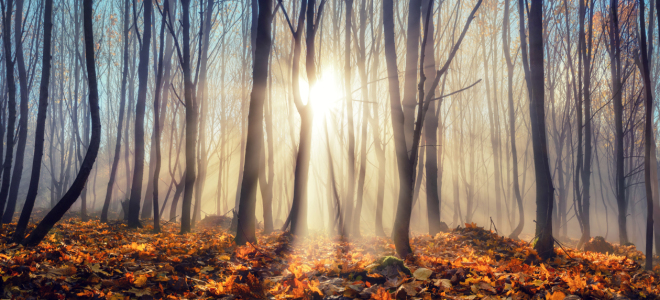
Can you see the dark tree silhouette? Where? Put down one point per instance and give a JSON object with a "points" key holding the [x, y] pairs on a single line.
{"points": [[23, 121], [246, 218], [120, 121], [23, 221], [143, 77], [11, 100], [55, 214]]}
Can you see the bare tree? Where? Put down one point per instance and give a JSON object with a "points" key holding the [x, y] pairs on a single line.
{"points": [[38, 234], [19, 234], [246, 218]]}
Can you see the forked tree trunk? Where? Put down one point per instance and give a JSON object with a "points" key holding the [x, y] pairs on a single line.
{"points": [[38, 234]]}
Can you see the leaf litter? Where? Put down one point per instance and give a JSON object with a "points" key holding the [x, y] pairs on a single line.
{"points": [[92, 260]]}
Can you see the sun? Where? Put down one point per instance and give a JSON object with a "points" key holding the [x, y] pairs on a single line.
{"points": [[325, 95]]}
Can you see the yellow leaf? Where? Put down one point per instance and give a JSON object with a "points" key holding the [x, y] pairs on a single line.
{"points": [[224, 257], [557, 295], [140, 281]]}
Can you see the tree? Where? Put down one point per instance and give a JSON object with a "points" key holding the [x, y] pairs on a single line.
{"points": [[23, 121], [535, 85], [348, 203], [120, 121], [506, 44], [143, 77], [246, 218], [407, 162], [191, 121], [431, 129], [72, 194], [23, 221], [11, 100], [617, 103], [648, 137], [157, 121]]}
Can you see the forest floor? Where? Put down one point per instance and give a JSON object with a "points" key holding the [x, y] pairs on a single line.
{"points": [[91, 260]]}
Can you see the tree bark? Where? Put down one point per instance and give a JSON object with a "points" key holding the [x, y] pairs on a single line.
{"points": [[191, 122], [38, 234], [11, 104], [648, 138], [246, 211], [506, 38], [23, 221], [544, 188], [348, 204], [23, 121], [122, 103], [617, 102], [143, 77]]}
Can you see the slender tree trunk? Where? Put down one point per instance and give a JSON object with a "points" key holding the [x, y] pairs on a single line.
{"points": [[191, 122], [617, 102], [23, 221], [23, 121], [410, 72], [297, 100], [11, 103], [544, 187], [506, 37], [38, 234], [348, 205], [157, 121], [122, 103], [143, 77], [431, 130], [586, 169], [246, 211], [648, 138], [203, 99], [365, 115]]}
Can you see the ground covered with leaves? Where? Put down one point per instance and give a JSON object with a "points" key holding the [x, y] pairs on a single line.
{"points": [[90, 260]]}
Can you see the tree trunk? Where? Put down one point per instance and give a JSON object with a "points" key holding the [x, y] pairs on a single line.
{"points": [[38, 234], [617, 103], [365, 115], [23, 221], [431, 131], [586, 168], [191, 122], [648, 138], [544, 187], [506, 38], [143, 77], [348, 204], [157, 121], [122, 103], [410, 72], [23, 121], [11, 103], [246, 211]]}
